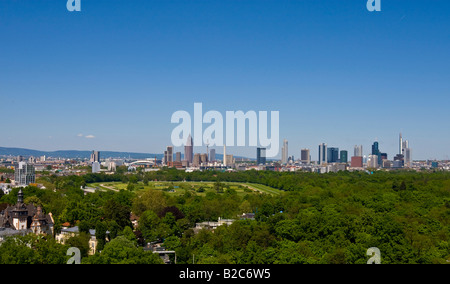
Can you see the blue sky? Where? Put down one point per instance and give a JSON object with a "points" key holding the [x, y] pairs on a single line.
{"points": [[117, 70]]}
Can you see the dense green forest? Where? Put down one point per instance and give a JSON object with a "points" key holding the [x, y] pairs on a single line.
{"points": [[319, 218]]}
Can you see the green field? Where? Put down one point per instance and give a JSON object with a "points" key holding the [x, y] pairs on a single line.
{"points": [[200, 188]]}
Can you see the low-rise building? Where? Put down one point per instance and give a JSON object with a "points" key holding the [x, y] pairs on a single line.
{"points": [[67, 233], [212, 225], [8, 232]]}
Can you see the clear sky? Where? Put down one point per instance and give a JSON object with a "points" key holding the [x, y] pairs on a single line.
{"points": [[110, 77]]}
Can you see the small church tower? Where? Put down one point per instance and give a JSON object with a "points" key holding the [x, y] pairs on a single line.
{"points": [[20, 213]]}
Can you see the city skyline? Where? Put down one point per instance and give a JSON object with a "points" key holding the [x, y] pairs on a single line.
{"points": [[188, 148], [330, 159], [321, 64]]}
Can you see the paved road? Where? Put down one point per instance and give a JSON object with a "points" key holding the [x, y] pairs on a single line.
{"points": [[113, 189]]}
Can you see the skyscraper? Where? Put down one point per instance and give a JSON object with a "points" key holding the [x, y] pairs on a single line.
{"points": [[305, 156], [372, 161], [212, 155], [224, 155], [261, 156], [24, 174], [284, 152], [405, 152], [358, 151], [405, 145], [96, 167], [164, 160], [178, 157], [196, 160], [189, 150], [169, 154], [343, 156], [332, 155], [204, 158], [376, 152], [323, 153], [95, 156], [408, 158], [375, 149]]}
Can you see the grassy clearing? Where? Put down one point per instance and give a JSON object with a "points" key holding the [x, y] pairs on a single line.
{"points": [[200, 188]]}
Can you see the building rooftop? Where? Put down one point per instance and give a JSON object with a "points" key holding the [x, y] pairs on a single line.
{"points": [[76, 230]]}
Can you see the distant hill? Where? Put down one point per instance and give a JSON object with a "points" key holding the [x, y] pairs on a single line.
{"points": [[74, 154]]}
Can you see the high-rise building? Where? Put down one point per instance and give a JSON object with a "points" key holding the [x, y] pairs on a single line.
{"points": [[343, 156], [375, 149], [372, 161], [357, 162], [95, 156], [332, 155], [358, 151], [224, 155], [197, 160], [399, 161], [169, 154], [112, 166], [95, 167], [284, 152], [323, 153], [405, 145], [305, 156], [408, 158], [229, 160], [404, 152], [376, 152], [212, 155], [189, 150], [204, 158], [261, 156], [24, 174], [178, 157], [164, 159]]}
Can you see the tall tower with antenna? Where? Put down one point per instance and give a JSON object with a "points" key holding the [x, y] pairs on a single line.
{"points": [[207, 149], [189, 150], [224, 155]]}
